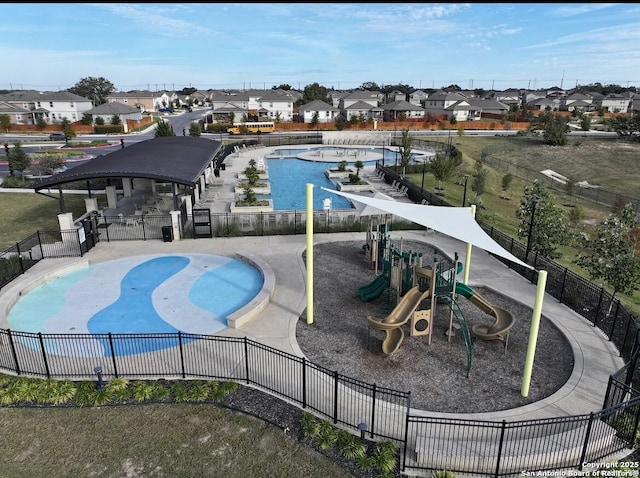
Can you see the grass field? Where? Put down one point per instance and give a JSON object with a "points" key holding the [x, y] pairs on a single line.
{"points": [[609, 162]]}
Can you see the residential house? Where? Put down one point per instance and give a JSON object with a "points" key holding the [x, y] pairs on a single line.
{"points": [[144, 100], [326, 112], [450, 104], [363, 110], [396, 96], [507, 97], [274, 106], [402, 109], [107, 111], [336, 97], [51, 106], [165, 99], [544, 104], [16, 114], [489, 106], [613, 103], [418, 97], [374, 98], [578, 102]]}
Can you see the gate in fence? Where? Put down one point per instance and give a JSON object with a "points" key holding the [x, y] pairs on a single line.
{"points": [[202, 223]]}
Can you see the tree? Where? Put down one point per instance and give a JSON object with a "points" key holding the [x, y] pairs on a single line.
{"points": [[99, 120], [95, 88], [585, 123], [443, 166], [41, 123], [554, 128], [18, 159], [195, 130], [87, 119], [48, 163], [67, 129], [315, 119], [164, 128], [358, 165], [611, 255], [315, 92], [506, 183], [405, 149], [548, 229], [479, 182], [115, 120], [5, 122]]}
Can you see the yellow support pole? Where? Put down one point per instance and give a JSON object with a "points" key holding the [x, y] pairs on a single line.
{"points": [[533, 333], [309, 253], [467, 259]]}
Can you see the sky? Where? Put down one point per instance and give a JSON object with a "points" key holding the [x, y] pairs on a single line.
{"points": [[169, 46]]}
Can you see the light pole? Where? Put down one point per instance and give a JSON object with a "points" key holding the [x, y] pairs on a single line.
{"points": [[534, 201], [464, 196]]}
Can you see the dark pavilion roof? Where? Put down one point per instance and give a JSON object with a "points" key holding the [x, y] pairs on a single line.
{"points": [[175, 159]]}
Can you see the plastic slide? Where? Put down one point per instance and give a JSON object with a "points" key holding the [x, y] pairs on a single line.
{"points": [[399, 316], [371, 291], [503, 322]]}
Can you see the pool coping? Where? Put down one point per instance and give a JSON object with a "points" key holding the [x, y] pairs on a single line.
{"points": [[252, 309]]}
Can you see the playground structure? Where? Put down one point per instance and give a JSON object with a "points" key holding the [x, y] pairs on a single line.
{"points": [[414, 284]]}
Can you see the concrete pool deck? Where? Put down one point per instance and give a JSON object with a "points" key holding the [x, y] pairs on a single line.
{"points": [[595, 358], [224, 186]]}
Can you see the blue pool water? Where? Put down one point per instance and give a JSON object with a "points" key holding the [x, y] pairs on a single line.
{"points": [[191, 293], [288, 178]]}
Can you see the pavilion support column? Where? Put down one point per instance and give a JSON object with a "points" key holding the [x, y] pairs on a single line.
{"points": [[127, 188], [175, 224], [91, 204], [187, 201], [65, 220], [112, 198]]}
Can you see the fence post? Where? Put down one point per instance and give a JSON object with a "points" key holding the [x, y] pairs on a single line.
{"points": [[502, 432], [615, 320], [40, 244], [13, 351], [373, 409], [586, 439], [246, 359], [595, 318], [304, 382], [20, 258], [181, 352], [564, 279], [79, 243], [335, 397], [44, 355], [406, 432], [113, 355]]}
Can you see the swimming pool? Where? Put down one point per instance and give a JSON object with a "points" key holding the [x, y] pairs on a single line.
{"points": [[288, 178], [166, 294]]}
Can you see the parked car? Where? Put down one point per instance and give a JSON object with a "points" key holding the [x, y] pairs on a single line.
{"points": [[166, 110], [57, 136]]}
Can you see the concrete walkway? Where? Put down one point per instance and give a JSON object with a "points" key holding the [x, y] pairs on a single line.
{"points": [[595, 357]]}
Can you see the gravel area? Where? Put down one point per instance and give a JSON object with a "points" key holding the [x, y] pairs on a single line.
{"points": [[436, 373]]}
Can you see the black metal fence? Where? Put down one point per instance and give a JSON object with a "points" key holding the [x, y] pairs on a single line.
{"points": [[346, 401]]}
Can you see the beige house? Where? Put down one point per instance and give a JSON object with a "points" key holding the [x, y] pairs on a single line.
{"points": [[51, 106], [142, 99]]}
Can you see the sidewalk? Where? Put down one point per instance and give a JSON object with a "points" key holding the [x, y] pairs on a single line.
{"points": [[595, 357]]}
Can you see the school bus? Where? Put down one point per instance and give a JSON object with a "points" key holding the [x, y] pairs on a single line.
{"points": [[252, 127]]}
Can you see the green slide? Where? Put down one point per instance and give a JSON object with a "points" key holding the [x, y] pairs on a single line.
{"points": [[475, 298], [371, 291]]}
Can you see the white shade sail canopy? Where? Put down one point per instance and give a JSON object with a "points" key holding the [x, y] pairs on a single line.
{"points": [[456, 222]]}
